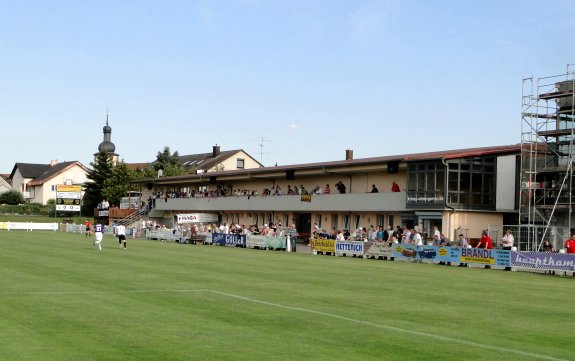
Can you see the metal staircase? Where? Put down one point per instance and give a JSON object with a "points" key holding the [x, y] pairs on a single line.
{"points": [[134, 217]]}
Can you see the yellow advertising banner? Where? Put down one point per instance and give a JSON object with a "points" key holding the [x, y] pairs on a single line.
{"points": [[323, 245], [66, 188], [3, 225]]}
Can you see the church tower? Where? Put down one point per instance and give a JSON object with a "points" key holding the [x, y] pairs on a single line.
{"points": [[107, 146]]}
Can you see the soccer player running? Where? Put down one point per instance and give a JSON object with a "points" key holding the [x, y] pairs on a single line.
{"points": [[98, 235], [121, 233]]}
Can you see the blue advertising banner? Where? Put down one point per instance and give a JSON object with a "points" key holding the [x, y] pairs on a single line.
{"points": [[348, 248], [432, 254], [232, 240], [543, 261]]}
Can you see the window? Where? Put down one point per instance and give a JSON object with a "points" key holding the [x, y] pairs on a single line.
{"points": [[471, 183], [240, 163], [426, 184]]}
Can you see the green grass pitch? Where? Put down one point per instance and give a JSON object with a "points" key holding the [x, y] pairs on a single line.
{"points": [[61, 299]]}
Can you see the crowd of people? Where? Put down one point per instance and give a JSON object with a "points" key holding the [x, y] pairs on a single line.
{"points": [[272, 191]]}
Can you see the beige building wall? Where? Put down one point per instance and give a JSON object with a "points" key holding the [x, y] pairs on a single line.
{"points": [[232, 162], [474, 222], [18, 181], [43, 193]]}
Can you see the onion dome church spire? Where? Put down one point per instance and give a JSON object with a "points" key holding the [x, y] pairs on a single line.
{"points": [[107, 146]]}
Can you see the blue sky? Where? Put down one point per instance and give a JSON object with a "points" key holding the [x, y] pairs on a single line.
{"points": [[312, 78]]}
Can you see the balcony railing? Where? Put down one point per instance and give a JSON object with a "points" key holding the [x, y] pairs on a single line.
{"points": [[364, 202]]}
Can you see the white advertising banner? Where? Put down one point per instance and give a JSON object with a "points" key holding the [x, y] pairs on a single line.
{"points": [[198, 218]]}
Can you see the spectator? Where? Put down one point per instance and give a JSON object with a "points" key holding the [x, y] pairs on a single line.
{"points": [[547, 247], [340, 187], [327, 190], [374, 189], [379, 235], [462, 243], [394, 187], [407, 235], [417, 240], [485, 242], [570, 244], [444, 241], [508, 240]]}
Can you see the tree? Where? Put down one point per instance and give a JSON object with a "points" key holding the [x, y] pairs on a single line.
{"points": [[93, 192], [118, 184], [169, 163], [11, 197]]}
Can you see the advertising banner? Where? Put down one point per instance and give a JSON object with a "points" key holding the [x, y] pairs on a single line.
{"points": [[349, 248], [493, 257], [378, 250], [68, 198], [432, 254], [230, 240], [543, 261], [254, 240], [323, 245], [198, 218]]}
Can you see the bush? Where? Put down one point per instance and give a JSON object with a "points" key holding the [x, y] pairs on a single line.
{"points": [[11, 197]]}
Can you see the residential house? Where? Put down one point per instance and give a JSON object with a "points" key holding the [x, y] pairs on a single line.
{"points": [[37, 182]]}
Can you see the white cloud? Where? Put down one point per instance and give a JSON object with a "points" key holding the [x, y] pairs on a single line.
{"points": [[293, 127]]}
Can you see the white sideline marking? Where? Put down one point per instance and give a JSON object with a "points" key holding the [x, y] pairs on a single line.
{"points": [[300, 309], [392, 328]]}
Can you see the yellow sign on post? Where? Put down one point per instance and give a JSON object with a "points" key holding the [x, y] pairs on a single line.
{"points": [[68, 198]]}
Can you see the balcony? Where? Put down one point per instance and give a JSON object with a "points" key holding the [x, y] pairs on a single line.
{"points": [[363, 202]]}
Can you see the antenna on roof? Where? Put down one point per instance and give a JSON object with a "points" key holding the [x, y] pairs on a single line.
{"points": [[107, 112], [261, 145]]}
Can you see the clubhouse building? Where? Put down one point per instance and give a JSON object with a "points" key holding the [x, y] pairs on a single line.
{"points": [[459, 191]]}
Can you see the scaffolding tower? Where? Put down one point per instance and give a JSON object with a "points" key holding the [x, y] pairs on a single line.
{"points": [[546, 199]]}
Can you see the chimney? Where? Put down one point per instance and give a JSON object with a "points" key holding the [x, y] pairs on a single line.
{"points": [[53, 162], [348, 154], [216, 151]]}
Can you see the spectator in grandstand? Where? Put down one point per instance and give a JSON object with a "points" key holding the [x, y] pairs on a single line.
{"points": [[302, 190], [340, 187], [296, 191], [508, 240], [547, 247], [394, 187], [374, 189], [570, 244], [339, 236], [327, 190], [290, 191]]}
